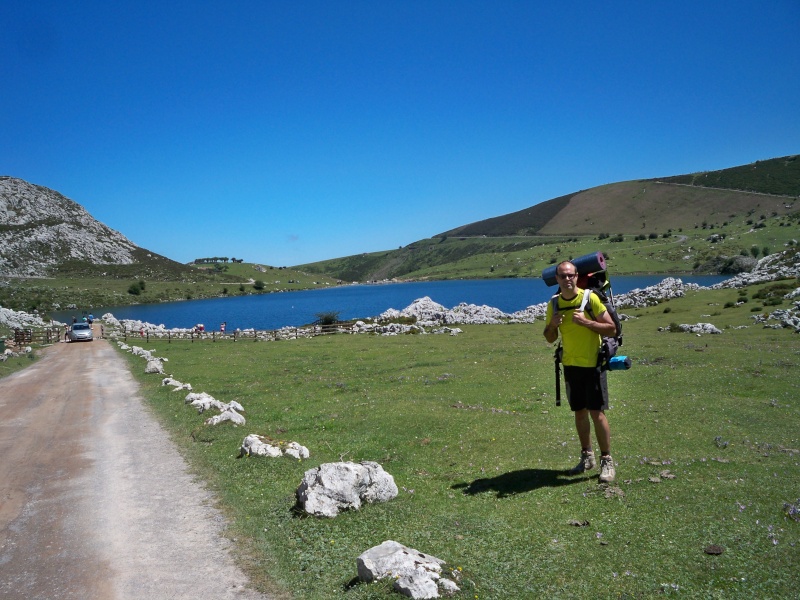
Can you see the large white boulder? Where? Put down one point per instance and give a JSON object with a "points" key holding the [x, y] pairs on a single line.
{"points": [[154, 366], [332, 487]]}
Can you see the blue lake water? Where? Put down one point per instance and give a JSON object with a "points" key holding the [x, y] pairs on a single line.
{"points": [[273, 311]]}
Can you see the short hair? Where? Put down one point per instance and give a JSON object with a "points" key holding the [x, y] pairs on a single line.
{"points": [[565, 262]]}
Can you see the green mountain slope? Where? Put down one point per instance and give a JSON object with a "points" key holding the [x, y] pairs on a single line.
{"points": [[780, 176], [657, 208]]}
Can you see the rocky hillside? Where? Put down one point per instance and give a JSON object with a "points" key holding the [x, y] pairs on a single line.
{"points": [[41, 229]]}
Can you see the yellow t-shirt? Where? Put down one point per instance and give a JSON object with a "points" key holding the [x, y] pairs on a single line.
{"points": [[581, 344]]}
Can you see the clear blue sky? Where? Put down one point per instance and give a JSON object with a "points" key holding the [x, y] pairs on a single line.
{"points": [[295, 131]]}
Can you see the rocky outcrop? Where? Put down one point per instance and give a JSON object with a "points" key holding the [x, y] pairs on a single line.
{"points": [[667, 289], [769, 268], [782, 318], [699, 328], [43, 228], [427, 313], [13, 319]]}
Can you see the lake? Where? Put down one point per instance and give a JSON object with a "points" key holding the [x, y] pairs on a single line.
{"points": [[276, 310]]}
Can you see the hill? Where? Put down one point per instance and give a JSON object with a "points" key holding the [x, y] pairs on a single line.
{"points": [[654, 209], [54, 254], [42, 232], [654, 204]]}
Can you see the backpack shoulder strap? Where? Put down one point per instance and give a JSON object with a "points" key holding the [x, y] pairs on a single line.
{"points": [[554, 302], [586, 295]]}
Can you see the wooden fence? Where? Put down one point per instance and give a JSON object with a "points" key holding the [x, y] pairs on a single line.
{"points": [[56, 334], [286, 333], [50, 335]]}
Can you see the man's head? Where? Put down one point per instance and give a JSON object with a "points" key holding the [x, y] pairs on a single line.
{"points": [[567, 277]]}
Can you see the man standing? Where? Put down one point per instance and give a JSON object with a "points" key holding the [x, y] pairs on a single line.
{"points": [[587, 389]]}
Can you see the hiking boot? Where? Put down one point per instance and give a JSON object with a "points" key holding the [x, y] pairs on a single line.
{"points": [[587, 463], [607, 471]]}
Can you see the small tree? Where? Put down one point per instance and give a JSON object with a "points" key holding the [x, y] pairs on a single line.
{"points": [[259, 285], [328, 317], [754, 251]]}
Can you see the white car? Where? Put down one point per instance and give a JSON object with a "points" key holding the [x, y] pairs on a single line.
{"points": [[80, 332]]}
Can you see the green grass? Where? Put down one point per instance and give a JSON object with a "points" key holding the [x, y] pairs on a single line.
{"points": [[468, 428]]}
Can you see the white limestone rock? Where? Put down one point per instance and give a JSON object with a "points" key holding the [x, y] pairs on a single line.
{"points": [[332, 487], [228, 415], [417, 575]]}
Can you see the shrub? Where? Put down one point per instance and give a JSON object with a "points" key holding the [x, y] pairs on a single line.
{"points": [[259, 285], [134, 289], [329, 317]]}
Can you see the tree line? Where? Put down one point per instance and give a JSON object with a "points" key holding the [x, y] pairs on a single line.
{"points": [[216, 259]]}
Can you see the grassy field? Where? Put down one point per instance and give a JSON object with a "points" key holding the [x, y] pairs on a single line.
{"points": [[704, 433]]}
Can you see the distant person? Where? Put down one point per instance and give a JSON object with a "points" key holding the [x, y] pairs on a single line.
{"points": [[222, 326], [587, 388]]}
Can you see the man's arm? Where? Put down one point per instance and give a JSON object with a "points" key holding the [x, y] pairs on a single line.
{"points": [[551, 329]]}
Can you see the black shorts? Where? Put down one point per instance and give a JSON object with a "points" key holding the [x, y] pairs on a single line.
{"points": [[586, 388]]}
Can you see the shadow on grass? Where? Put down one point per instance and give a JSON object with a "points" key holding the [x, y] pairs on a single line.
{"points": [[518, 482]]}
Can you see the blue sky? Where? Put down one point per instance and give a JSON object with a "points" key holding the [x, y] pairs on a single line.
{"points": [[290, 132]]}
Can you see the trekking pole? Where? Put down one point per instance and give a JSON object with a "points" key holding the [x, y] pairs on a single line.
{"points": [[557, 357]]}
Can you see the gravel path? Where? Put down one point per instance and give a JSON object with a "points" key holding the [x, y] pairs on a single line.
{"points": [[95, 501]]}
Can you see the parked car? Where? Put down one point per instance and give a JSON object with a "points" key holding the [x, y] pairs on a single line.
{"points": [[81, 332]]}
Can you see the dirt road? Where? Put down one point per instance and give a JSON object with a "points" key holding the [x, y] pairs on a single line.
{"points": [[95, 502]]}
